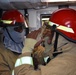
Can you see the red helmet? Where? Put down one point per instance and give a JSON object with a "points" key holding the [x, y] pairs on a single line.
{"points": [[65, 21], [13, 18]]}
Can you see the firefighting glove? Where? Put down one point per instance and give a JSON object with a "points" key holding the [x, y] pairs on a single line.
{"points": [[38, 56]]}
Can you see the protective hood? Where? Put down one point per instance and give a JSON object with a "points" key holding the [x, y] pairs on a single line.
{"points": [[16, 44]]}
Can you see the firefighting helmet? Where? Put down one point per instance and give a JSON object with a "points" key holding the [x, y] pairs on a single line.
{"points": [[12, 18], [64, 22]]}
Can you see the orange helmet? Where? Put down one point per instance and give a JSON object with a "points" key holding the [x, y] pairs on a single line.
{"points": [[64, 22], [13, 18]]}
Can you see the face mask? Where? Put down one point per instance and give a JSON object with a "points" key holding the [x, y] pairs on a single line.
{"points": [[18, 37]]}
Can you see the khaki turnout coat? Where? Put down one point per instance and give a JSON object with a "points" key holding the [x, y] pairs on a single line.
{"points": [[7, 60], [63, 64]]}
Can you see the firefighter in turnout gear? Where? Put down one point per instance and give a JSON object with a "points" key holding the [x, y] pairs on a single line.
{"points": [[63, 26], [12, 34]]}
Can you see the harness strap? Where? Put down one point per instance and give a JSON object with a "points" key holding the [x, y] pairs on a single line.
{"points": [[55, 44]]}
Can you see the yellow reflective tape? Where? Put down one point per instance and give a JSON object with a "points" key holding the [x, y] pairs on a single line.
{"points": [[12, 72], [46, 58], [52, 23], [6, 21], [65, 29], [25, 24], [61, 27], [24, 60], [18, 62]]}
